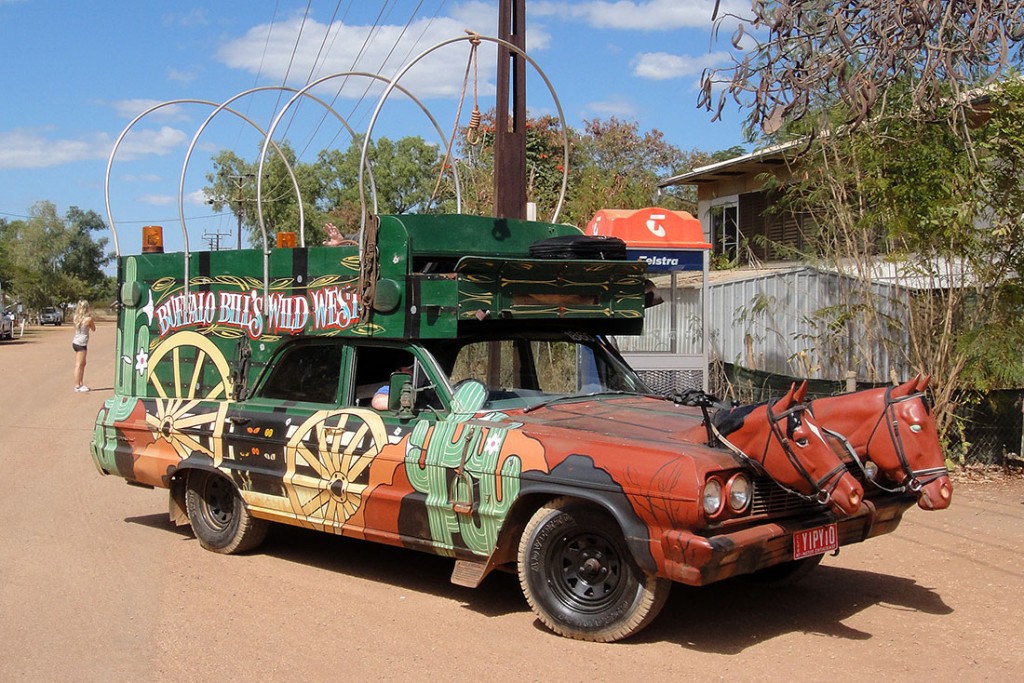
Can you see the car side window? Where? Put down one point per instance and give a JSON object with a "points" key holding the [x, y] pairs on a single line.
{"points": [[306, 373], [373, 368]]}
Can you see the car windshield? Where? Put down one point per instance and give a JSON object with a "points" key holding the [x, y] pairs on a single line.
{"points": [[520, 371]]}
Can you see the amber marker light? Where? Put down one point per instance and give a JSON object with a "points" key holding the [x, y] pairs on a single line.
{"points": [[152, 239]]}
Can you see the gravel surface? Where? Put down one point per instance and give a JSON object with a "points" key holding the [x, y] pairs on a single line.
{"points": [[97, 585]]}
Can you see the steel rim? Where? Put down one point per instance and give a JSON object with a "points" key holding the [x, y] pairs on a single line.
{"points": [[586, 572], [218, 504]]}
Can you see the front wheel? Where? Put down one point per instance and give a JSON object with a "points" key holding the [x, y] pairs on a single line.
{"points": [[219, 517], [580, 578]]}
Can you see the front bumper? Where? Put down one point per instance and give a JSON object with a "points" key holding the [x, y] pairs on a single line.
{"points": [[699, 560]]}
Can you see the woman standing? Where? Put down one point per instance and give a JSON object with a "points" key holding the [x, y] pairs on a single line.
{"points": [[84, 324]]}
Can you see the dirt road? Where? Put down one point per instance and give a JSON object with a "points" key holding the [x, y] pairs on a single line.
{"points": [[96, 585]]}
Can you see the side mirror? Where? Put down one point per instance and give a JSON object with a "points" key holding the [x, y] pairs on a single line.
{"points": [[400, 394]]}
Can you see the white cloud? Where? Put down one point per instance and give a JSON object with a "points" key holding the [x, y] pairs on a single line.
{"points": [[616, 106], [192, 18], [30, 148], [652, 15], [157, 199], [179, 76], [129, 109], [271, 52], [142, 178], [660, 66], [140, 143], [197, 198]]}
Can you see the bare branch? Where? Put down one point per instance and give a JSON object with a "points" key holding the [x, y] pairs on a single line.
{"points": [[814, 54]]}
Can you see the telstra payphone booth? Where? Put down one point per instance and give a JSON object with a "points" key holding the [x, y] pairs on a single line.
{"points": [[672, 353]]}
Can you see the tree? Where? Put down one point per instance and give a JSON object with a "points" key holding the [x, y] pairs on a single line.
{"points": [[404, 173], [55, 259], [946, 222], [232, 186], [862, 58], [611, 165]]}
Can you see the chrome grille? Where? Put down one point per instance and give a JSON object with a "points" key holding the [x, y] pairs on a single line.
{"points": [[771, 499]]}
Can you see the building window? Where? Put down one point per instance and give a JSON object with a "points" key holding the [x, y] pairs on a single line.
{"points": [[725, 230]]}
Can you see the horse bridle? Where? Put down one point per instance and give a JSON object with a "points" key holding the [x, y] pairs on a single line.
{"points": [[823, 486], [914, 480]]}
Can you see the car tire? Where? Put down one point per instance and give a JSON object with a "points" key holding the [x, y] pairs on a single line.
{"points": [[219, 517], [580, 578]]}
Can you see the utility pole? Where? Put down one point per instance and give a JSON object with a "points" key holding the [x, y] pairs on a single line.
{"points": [[240, 181], [510, 114], [212, 239]]}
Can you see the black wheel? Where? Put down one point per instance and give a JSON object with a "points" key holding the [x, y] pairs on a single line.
{"points": [[219, 517], [580, 578], [785, 573]]}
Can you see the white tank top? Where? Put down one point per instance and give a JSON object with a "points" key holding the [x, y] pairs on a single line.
{"points": [[81, 337]]}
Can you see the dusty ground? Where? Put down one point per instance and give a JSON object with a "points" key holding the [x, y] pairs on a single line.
{"points": [[96, 585]]}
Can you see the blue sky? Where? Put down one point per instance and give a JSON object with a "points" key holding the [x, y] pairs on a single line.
{"points": [[75, 75]]}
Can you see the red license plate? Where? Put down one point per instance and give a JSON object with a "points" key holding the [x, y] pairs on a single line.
{"points": [[811, 542]]}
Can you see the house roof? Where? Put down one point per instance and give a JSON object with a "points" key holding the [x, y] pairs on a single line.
{"points": [[754, 162]]}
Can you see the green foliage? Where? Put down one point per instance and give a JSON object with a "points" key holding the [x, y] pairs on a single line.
{"points": [[942, 200], [612, 165], [50, 259], [404, 173]]}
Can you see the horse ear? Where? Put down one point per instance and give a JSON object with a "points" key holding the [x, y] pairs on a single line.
{"points": [[801, 392], [922, 382], [907, 388], [787, 399]]}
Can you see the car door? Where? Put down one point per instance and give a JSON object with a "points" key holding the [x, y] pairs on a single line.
{"points": [[267, 436]]}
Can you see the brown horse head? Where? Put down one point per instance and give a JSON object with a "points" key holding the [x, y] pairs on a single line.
{"points": [[783, 439], [894, 428]]}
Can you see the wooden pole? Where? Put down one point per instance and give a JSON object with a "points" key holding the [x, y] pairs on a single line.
{"points": [[510, 114]]}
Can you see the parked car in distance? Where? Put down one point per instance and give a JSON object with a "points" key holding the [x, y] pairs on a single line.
{"points": [[6, 325], [51, 316]]}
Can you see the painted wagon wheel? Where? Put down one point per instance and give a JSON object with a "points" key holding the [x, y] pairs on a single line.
{"points": [[327, 459], [190, 379]]}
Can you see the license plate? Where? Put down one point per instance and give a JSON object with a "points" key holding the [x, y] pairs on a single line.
{"points": [[811, 542]]}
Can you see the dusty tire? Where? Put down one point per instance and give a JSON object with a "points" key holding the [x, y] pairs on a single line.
{"points": [[786, 573], [580, 578], [219, 517]]}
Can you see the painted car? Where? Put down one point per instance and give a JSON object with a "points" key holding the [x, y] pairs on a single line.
{"points": [[514, 435]]}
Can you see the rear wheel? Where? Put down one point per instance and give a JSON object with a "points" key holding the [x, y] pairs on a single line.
{"points": [[219, 517], [580, 578]]}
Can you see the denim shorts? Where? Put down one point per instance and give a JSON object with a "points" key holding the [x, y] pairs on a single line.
{"points": [[78, 347]]}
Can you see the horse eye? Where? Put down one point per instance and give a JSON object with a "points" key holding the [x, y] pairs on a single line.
{"points": [[916, 428], [802, 443]]}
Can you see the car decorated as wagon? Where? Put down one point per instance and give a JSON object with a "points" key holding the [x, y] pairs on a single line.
{"points": [[514, 436], [451, 384]]}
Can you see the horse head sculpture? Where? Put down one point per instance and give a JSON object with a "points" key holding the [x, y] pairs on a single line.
{"points": [[894, 428], [784, 441]]}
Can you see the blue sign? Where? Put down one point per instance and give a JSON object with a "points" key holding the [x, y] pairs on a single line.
{"points": [[668, 259]]}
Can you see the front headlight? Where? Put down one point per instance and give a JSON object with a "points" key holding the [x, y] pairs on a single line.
{"points": [[738, 493], [712, 498]]}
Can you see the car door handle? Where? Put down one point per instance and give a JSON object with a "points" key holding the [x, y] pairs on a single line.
{"points": [[235, 420]]}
